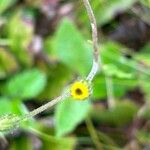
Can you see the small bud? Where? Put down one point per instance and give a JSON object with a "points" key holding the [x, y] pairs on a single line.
{"points": [[8, 122]]}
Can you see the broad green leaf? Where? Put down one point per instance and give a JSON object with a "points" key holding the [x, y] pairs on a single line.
{"points": [[5, 4], [69, 114], [111, 53], [120, 86], [143, 57], [58, 77], [122, 70], [105, 10], [71, 49], [112, 70], [119, 115], [5, 106], [10, 106], [27, 84], [50, 142], [14, 107]]}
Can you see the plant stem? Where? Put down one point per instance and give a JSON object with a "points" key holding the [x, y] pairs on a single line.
{"points": [[94, 39], [46, 106], [93, 134], [94, 28], [109, 87]]}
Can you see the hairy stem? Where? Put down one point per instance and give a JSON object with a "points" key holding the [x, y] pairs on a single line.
{"points": [[94, 28], [47, 105], [94, 39]]}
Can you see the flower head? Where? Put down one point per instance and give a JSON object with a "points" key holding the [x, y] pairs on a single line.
{"points": [[80, 90]]}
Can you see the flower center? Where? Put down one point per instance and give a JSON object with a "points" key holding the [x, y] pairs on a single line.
{"points": [[78, 91]]}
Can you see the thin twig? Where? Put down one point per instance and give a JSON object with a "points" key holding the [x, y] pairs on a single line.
{"points": [[110, 95], [94, 28], [47, 105], [93, 134], [94, 39]]}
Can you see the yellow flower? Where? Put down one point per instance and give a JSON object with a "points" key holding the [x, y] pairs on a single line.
{"points": [[80, 90]]}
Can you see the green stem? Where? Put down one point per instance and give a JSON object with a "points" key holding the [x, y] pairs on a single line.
{"points": [[93, 134], [46, 106], [110, 95]]}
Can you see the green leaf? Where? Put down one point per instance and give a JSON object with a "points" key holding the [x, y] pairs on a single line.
{"points": [[120, 86], [10, 106], [122, 113], [14, 107], [71, 49], [143, 56], [105, 10], [69, 114], [58, 77], [27, 84], [5, 106], [112, 70], [108, 10], [50, 142], [122, 70], [5, 4], [111, 54]]}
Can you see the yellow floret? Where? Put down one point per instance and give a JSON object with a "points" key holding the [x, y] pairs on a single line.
{"points": [[80, 90]]}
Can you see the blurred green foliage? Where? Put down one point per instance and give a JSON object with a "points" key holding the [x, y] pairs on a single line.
{"points": [[70, 113], [25, 85], [26, 76]]}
